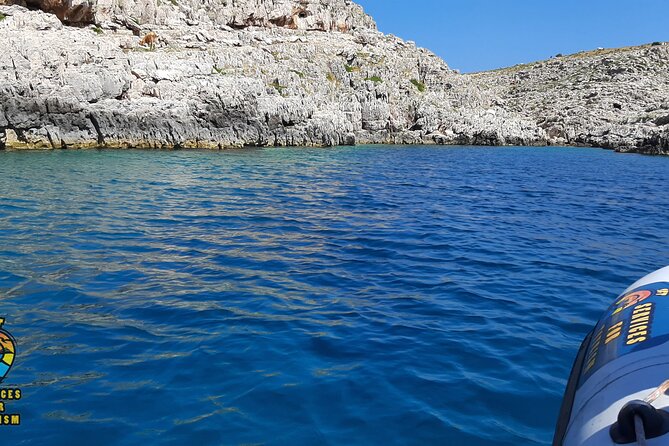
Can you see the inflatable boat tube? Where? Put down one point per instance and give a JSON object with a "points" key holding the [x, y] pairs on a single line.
{"points": [[616, 391]]}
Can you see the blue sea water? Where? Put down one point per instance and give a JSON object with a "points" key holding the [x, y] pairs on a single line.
{"points": [[346, 296]]}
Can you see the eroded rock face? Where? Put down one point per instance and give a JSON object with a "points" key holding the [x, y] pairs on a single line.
{"points": [[74, 12], [320, 15]]}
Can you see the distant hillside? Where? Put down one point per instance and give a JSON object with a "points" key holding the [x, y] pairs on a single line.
{"points": [[613, 98]]}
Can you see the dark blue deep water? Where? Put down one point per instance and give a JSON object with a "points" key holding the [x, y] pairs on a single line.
{"points": [[347, 296]]}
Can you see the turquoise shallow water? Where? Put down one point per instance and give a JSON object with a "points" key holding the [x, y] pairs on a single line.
{"points": [[369, 295]]}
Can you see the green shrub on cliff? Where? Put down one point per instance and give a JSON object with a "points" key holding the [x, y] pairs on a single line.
{"points": [[98, 30], [350, 69], [419, 85], [278, 87], [375, 79], [2, 17]]}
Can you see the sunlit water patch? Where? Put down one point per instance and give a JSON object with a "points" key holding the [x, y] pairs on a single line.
{"points": [[369, 295]]}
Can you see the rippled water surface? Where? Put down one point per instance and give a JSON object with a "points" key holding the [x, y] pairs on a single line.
{"points": [[348, 296]]}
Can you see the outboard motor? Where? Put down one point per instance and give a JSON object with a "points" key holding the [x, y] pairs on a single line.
{"points": [[616, 391]]}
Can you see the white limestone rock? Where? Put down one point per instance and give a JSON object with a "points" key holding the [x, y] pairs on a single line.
{"points": [[248, 75]]}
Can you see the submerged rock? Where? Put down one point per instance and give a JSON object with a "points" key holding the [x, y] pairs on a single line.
{"points": [[285, 72]]}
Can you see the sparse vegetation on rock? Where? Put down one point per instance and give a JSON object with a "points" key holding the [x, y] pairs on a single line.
{"points": [[278, 87], [419, 85]]}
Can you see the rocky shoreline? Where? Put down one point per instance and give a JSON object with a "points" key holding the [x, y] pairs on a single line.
{"points": [[297, 73]]}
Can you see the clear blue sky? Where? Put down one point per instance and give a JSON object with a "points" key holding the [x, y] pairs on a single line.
{"points": [[474, 35]]}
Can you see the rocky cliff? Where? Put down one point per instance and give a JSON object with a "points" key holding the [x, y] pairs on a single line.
{"points": [[231, 73]]}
